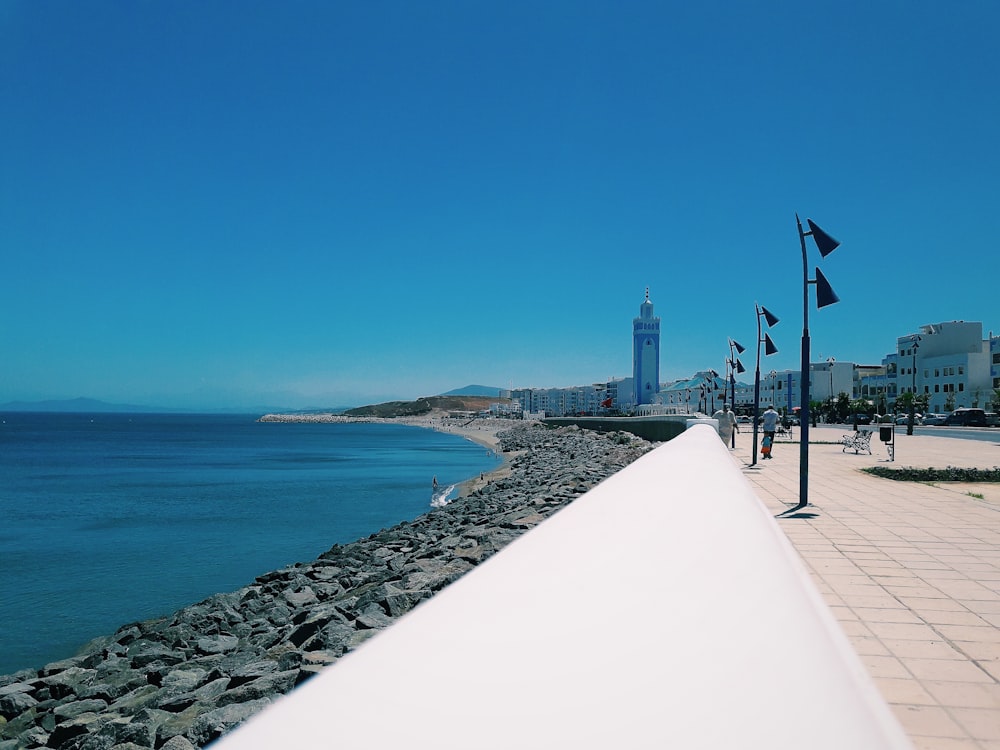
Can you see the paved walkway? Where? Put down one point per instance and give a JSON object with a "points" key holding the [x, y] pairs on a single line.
{"points": [[911, 571]]}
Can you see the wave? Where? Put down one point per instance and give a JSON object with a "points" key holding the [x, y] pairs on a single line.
{"points": [[442, 497]]}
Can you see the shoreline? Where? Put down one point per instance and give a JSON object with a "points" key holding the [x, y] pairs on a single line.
{"points": [[185, 679], [484, 432]]}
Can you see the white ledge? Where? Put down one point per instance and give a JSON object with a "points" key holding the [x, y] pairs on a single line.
{"points": [[664, 608]]}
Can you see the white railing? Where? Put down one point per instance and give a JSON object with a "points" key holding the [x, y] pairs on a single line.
{"points": [[664, 608]]}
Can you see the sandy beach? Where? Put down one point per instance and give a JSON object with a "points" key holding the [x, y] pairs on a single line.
{"points": [[482, 431]]}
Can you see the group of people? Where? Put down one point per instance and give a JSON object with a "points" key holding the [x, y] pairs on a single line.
{"points": [[728, 426]]}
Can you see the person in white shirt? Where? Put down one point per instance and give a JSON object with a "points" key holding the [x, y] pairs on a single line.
{"points": [[770, 425], [727, 423]]}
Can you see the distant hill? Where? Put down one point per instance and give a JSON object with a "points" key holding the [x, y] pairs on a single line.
{"points": [[475, 390], [424, 406], [83, 405]]}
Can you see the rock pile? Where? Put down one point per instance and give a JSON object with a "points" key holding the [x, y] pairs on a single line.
{"points": [[181, 681]]}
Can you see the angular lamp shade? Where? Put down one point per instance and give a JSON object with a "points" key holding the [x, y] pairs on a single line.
{"points": [[824, 292], [770, 317], [769, 347], [739, 349], [824, 242], [740, 367]]}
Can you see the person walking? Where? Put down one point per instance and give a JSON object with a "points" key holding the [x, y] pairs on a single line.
{"points": [[727, 423], [770, 425]]}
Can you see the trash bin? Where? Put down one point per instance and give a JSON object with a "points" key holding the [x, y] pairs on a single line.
{"points": [[885, 433]]}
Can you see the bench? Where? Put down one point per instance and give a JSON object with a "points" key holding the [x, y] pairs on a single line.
{"points": [[859, 441]]}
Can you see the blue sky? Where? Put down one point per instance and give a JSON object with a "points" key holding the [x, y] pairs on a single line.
{"points": [[319, 203]]}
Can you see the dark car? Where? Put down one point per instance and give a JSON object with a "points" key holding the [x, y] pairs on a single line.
{"points": [[966, 418], [860, 419]]}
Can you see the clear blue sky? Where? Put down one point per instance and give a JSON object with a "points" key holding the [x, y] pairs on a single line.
{"points": [[322, 203]]}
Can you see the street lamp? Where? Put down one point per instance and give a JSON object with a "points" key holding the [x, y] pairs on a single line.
{"points": [[915, 342], [829, 365], [734, 366], [824, 296], [769, 348]]}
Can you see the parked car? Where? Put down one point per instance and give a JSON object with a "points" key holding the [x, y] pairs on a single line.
{"points": [[905, 418], [860, 419], [934, 419], [966, 418], [992, 419], [744, 420]]}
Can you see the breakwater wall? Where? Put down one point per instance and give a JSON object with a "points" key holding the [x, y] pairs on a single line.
{"points": [[663, 609], [656, 429], [183, 680]]}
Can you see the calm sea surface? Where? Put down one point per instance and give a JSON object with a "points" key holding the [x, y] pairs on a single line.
{"points": [[110, 518]]}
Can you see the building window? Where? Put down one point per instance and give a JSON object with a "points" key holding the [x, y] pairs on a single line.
{"points": [[961, 387], [937, 373], [937, 389], [961, 370]]}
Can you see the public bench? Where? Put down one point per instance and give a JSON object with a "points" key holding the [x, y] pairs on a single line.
{"points": [[859, 441]]}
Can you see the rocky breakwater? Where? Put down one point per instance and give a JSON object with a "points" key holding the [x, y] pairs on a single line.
{"points": [[181, 681]]}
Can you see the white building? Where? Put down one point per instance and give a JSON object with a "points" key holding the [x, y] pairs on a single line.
{"points": [[614, 396], [950, 362]]}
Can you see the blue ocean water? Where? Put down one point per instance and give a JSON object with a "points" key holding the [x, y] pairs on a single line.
{"points": [[107, 519]]}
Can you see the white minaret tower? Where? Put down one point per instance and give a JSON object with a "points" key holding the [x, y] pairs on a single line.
{"points": [[646, 353]]}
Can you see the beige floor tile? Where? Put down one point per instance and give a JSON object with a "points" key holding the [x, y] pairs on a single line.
{"points": [[978, 650], [947, 669], [946, 617], [869, 646], [928, 721], [980, 634], [903, 631], [945, 743], [896, 614], [885, 666], [980, 723], [932, 649], [904, 690], [965, 694]]}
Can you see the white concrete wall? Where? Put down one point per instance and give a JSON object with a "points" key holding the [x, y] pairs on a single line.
{"points": [[664, 609]]}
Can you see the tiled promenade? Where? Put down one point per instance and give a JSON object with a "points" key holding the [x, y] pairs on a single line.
{"points": [[911, 571]]}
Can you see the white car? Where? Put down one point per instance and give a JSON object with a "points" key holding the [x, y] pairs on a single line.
{"points": [[905, 418], [934, 419]]}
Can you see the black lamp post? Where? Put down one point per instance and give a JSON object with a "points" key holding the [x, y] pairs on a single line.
{"points": [[915, 342], [712, 385], [824, 296], [734, 366], [769, 348]]}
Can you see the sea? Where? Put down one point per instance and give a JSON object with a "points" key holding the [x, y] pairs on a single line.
{"points": [[107, 519]]}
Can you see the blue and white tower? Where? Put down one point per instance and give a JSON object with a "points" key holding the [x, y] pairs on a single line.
{"points": [[646, 354]]}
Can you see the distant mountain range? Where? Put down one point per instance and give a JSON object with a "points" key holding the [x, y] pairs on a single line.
{"points": [[96, 406], [86, 405], [474, 390]]}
